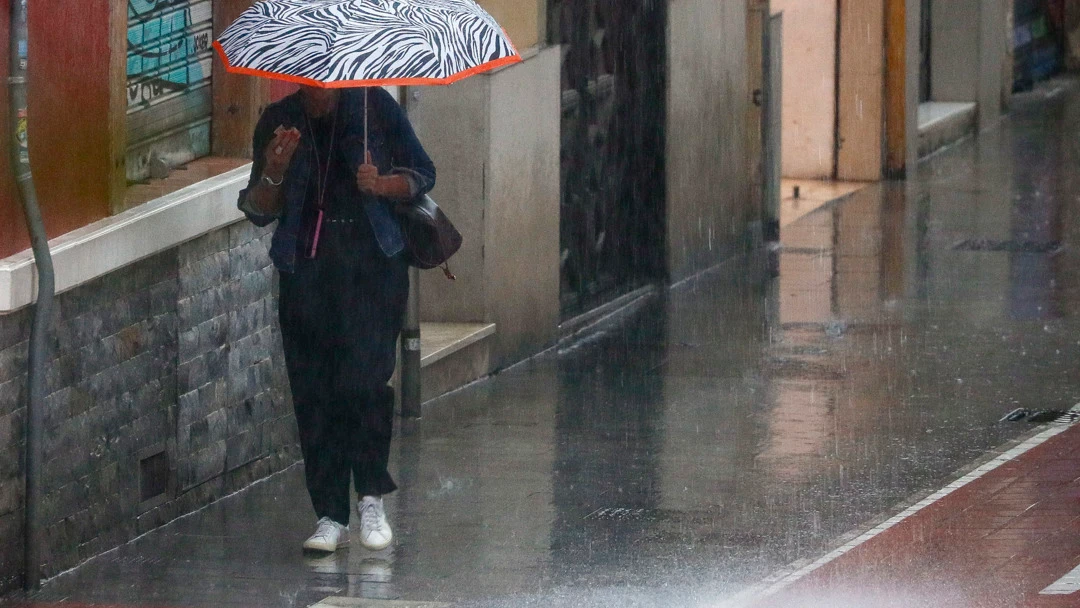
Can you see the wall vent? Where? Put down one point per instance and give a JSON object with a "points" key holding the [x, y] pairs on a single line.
{"points": [[153, 477]]}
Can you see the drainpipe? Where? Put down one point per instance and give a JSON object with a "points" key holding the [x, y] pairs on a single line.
{"points": [[42, 312]]}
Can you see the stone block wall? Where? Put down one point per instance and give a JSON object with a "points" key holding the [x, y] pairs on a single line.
{"points": [[166, 390]]}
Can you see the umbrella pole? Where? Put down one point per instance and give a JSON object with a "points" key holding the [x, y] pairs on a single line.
{"points": [[365, 124]]}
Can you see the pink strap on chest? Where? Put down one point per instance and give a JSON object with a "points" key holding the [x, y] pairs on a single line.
{"points": [[315, 238]]}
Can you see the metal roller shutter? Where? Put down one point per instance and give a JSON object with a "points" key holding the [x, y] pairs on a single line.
{"points": [[169, 67]]}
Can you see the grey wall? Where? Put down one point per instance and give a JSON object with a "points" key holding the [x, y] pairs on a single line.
{"points": [[911, 85], [954, 54], [494, 139], [708, 202], [178, 352], [522, 216], [968, 48], [453, 125], [994, 51]]}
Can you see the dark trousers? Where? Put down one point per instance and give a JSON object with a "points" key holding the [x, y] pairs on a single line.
{"points": [[341, 315]]}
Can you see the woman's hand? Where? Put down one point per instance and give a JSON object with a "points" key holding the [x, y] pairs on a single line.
{"points": [[367, 177], [279, 153], [370, 182]]}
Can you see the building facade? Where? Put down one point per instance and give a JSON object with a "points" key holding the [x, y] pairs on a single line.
{"points": [[625, 151], [166, 381]]}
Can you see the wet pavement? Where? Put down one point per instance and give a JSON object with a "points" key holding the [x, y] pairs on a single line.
{"points": [[718, 434]]}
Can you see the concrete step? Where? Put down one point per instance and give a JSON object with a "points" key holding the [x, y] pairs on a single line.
{"points": [[453, 355], [440, 340], [943, 123]]}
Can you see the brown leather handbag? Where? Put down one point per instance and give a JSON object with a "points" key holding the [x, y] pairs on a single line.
{"points": [[430, 237]]}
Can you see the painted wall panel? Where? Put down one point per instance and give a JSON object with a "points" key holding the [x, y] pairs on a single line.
{"points": [[809, 107], [70, 129], [520, 18], [862, 91], [12, 231]]}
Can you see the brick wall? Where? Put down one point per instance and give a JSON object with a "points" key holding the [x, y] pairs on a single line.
{"points": [[173, 361]]}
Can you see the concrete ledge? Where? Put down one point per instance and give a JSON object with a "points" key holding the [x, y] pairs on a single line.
{"points": [[572, 328], [114, 242], [943, 123], [440, 340], [451, 356]]}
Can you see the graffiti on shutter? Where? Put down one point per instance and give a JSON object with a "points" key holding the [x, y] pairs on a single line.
{"points": [[169, 61]]}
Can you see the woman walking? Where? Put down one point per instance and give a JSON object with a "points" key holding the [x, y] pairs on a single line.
{"points": [[330, 179]]}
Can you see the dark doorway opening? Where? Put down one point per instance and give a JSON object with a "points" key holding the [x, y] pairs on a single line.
{"points": [[924, 51], [614, 88]]}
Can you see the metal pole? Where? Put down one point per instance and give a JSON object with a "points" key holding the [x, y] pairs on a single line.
{"points": [[410, 350], [410, 335], [42, 315]]}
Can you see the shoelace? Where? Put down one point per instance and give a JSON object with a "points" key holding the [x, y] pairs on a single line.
{"points": [[370, 516], [325, 530]]}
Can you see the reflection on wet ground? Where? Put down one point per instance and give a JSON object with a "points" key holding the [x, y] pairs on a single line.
{"points": [[732, 426]]}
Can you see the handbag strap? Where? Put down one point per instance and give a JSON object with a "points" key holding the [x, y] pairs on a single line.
{"points": [[446, 270]]}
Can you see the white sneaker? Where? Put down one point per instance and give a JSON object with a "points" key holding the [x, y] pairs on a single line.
{"points": [[375, 534], [328, 535]]}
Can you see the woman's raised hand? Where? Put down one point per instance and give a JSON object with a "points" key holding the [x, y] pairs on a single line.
{"points": [[279, 153]]}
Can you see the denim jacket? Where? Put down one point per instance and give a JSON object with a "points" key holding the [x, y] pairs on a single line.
{"points": [[394, 150]]}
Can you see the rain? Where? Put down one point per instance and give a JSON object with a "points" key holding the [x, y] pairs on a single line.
{"points": [[664, 303]]}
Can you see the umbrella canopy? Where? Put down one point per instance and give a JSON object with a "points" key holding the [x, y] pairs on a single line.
{"points": [[349, 43]]}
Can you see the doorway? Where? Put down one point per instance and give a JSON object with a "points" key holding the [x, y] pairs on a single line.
{"points": [[924, 51], [612, 152]]}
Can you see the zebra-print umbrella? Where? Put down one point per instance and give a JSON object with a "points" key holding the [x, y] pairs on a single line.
{"points": [[349, 43]]}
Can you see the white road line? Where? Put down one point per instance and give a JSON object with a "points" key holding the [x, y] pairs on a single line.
{"points": [[1070, 583], [788, 576]]}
